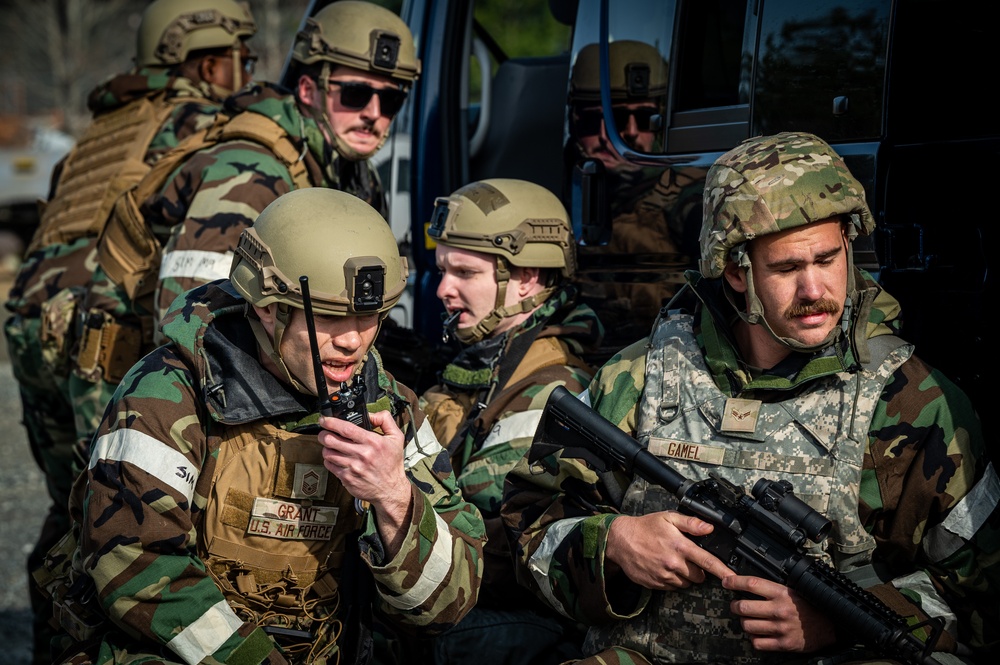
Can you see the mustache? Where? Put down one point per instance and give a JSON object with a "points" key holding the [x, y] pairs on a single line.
{"points": [[822, 306]]}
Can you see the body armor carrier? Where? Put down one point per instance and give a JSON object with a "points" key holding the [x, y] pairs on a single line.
{"points": [[815, 440], [129, 252], [107, 160], [275, 535]]}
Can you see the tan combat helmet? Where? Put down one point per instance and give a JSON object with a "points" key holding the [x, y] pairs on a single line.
{"points": [[637, 72], [519, 222], [338, 241], [171, 29], [770, 184], [361, 35]]}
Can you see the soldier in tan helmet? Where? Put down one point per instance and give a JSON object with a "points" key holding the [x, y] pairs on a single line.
{"points": [[650, 209], [786, 365], [506, 255], [638, 85], [227, 515], [189, 55], [353, 63]]}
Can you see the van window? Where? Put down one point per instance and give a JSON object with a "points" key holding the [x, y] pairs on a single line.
{"points": [[821, 66]]}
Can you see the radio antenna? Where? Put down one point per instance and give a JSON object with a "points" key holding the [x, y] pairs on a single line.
{"points": [[322, 394]]}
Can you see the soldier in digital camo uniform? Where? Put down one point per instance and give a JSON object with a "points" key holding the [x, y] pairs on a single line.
{"points": [[190, 54], [215, 525], [506, 255], [353, 65], [789, 368]]}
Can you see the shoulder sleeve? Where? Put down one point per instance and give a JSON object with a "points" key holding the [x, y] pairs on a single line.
{"points": [[931, 501], [147, 480], [434, 579], [204, 208], [558, 511]]}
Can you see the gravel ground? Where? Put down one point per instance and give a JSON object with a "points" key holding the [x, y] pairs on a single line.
{"points": [[23, 504]]}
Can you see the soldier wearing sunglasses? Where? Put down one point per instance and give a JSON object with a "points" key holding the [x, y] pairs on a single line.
{"points": [[352, 65], [638, 88], [652, 208]]}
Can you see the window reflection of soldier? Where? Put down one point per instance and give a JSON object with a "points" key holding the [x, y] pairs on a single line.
{"points": [[649, 206]]}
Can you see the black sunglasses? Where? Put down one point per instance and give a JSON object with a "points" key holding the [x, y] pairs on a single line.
{"points": [[588, 121], [357, 95]]}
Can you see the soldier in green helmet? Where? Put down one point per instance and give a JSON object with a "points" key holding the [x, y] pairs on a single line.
{"points": [[353, 64], [190, 54], [223, 517], [787, 367], [506, 255]]}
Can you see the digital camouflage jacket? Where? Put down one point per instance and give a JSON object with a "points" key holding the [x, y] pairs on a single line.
{"points": [[928, 492], [485, 443], [150, 488]]}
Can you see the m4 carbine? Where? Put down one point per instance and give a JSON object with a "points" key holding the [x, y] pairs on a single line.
{"points": [[760, 535]]}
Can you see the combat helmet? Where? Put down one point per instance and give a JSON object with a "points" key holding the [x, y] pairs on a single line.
{"points": [[769, 184], [361, 35], [521, 223], [344, 247], [637, 72], [171, 29]]}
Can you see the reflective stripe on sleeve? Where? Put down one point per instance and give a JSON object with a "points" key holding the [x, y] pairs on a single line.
{"points": [[424, 444], [149, 454], [541, 560], [196, 264], [515, 426], [204, 637], [966, 518], [433, 573]]}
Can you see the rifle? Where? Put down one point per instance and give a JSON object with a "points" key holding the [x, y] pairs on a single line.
{"points": [[761, 535]]}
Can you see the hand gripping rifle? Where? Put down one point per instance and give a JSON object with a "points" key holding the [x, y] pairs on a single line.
{"points": [[348, 403], [761, 535]]}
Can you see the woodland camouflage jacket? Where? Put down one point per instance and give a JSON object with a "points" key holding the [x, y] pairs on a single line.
{"points": [[168, 415], [560, 332]]}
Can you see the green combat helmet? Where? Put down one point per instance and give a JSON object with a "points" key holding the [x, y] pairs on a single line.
{"points": [[361, 35], [770, 184], [362, 273], [519, 222], [172, 29], [637, 72]]}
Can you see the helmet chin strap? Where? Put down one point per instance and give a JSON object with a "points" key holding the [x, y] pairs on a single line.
{"points": [[488, 324], [273, 349], [753, 314]]}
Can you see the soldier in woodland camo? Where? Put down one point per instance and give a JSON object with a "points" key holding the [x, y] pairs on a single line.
{"points": [[789, 367], [506, 253], [354, 63], [222, 519], [190, 54]]}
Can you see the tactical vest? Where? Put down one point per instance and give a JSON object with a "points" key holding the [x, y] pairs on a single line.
{"points": [[107, 160], [129, 252], [815, 440], [274, 536]]}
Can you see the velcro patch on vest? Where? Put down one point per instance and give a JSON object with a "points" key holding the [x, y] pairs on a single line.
{"points": [[686, 450], [310, 481], [291, 521], [740, 415]]}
